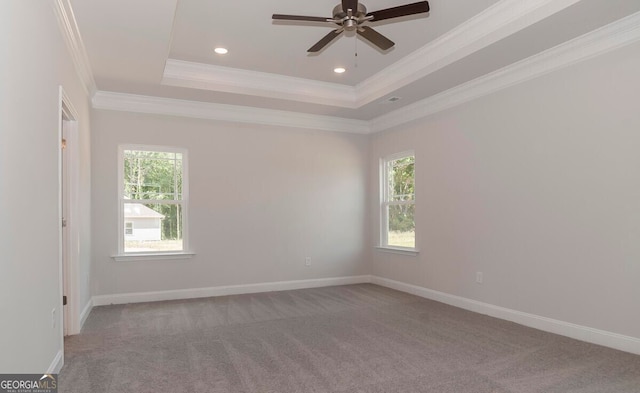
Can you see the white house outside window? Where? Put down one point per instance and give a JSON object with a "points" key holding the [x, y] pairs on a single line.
{"points": [[153, 199], [398, 201]]}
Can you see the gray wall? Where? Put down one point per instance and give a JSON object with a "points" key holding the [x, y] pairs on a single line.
{"points": [[538, 187], [261, 199], [34, 63]]}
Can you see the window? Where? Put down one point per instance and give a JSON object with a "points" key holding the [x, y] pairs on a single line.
{"points": [[153, 200], [398, 201], [128, 228]]}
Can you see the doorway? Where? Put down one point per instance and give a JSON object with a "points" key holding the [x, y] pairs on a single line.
{"points": [[69, 234]]}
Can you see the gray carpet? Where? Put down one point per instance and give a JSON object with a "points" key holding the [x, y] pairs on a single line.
{"points": [[348, 339]]}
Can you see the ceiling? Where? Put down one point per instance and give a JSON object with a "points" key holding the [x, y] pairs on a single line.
{"points": [[164, 48]]}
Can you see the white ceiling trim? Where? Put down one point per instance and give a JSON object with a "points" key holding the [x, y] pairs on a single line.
{"points": [[71, 35], [501, 20], [232, 113], [495, 23], [615, 35], [232, 80]]}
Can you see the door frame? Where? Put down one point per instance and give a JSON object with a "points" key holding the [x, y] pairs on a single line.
{"points": [[68, 189]]}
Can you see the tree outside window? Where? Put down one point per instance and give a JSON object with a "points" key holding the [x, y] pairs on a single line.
{"points": [[153, 198], [398, 201]]}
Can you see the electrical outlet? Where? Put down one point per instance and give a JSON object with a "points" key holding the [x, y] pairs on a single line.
{"points": [[53, 318], [307, 261], [479, 277]]}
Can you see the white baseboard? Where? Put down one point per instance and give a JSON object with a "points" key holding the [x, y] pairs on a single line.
{"points": [[578, 332], [56, 364], [85, 313], [139, 297]]}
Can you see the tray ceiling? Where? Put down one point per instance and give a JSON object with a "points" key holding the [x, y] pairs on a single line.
{"points": [[164, 49]]}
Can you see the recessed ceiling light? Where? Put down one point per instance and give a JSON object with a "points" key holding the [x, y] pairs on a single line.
{"points": [[221, 50], [339, 70]]}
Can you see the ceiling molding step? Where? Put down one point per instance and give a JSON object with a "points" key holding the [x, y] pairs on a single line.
{"points": [[232, 80], [501, 20], [232, 113], [605, 39], [73, 39], [493, 24]]}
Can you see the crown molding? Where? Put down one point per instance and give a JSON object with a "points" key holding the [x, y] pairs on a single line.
{"points": [[501, 20], [232, 80], [600, 41], [223, 112], [493, 24], [73, 39], [605, 39]]}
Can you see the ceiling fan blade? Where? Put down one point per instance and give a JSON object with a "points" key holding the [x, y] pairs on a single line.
{"points": [[403, 10], [301, 18], [353, 4], [325, 41], [375, 38]]}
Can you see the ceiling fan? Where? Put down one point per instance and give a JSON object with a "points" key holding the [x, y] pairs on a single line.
{"points": [[351, 15]]}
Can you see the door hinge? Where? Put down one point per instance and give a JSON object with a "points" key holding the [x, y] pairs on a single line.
{"points": [[63, 144], [64, 222], [64, 300]]}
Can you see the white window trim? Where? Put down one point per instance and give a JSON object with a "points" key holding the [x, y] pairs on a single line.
{"points": [[384, 214], [152, 256], [399, 250], [146, 255]]}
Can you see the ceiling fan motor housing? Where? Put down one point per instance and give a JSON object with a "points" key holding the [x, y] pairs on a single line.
{"points": [[349, 23]]}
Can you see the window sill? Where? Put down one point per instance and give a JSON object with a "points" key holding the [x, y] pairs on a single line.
{"points": [[401, 251], [152, 256]]}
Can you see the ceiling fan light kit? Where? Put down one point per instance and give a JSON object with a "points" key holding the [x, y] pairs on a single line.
{"points": [[352, 16]]}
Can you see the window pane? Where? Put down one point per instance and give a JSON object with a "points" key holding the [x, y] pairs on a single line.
{"points": [[401, 179], [402, 226], [155, 227], [152, 175], [178, 175]]}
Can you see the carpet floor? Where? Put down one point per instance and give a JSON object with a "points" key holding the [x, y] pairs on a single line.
{"points": [[347, 339]]}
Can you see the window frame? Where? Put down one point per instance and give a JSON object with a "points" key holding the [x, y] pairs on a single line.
{"points": [[385, 203], [183, 202]]}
